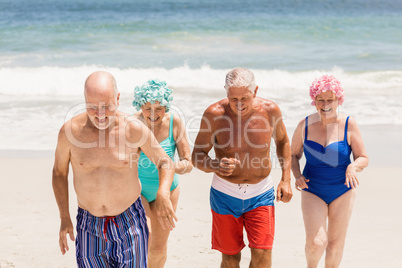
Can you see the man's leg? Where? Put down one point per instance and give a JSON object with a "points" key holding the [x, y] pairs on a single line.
{"points": [[91, 247], [227, 229], [260, 228], [91, 251], [231, 261], [130, 234], [339, 213], [261, 258]]}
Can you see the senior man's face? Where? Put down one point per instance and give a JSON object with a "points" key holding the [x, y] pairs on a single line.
{"points": [[102, 109], [241, 99]]}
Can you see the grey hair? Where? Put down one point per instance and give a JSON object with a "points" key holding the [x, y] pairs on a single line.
{"points": [[240, 77]]}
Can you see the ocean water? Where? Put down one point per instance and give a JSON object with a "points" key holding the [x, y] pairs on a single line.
{"points": [[49, 47]]}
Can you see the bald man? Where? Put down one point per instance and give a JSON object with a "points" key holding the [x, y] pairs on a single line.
{"points": [[103, 146]]}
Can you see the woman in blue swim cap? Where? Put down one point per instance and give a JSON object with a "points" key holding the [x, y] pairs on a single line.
{"points": [[152, 100]]}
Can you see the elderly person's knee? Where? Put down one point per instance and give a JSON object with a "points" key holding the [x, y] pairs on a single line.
{"points": [[335, 246], [318, 243], [261, 258], [230, 260], [159, 250]]}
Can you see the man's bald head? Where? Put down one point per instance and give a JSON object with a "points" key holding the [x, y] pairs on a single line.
{"points": [[99, 83], [102, 99]]}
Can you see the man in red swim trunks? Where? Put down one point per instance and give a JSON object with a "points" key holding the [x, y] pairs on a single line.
{"points": [[240, 128]]}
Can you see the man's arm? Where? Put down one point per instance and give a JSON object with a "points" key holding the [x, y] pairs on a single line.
{"points": [[60, 188], [204, 143], [152, 149], [284, 190]]}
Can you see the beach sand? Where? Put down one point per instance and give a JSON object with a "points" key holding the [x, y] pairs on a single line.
{"points": [[29, 218]]}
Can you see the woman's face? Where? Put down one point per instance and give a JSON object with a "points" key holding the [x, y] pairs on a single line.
{"points": [[153, 113], [326, 104]]}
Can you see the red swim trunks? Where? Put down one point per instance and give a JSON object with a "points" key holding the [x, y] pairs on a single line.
{"points": [[238, 206]]}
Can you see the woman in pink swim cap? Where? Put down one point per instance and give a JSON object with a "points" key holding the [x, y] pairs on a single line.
{"points": [[327, 184]]}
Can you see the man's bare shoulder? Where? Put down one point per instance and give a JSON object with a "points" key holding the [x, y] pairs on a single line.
{"points": [[71, 129], [135, 115], [216, 109], [76, 123], [135, 129], [133, 122], [268, 106], [122, 114]]}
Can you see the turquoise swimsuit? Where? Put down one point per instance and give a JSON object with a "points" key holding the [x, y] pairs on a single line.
{"points": [[147, 171]]}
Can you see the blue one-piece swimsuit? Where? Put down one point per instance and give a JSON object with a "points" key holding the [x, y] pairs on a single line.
{"points": [[326, 167]]}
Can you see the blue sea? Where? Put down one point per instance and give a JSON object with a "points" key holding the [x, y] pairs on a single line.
{"points": [[49, 47]]}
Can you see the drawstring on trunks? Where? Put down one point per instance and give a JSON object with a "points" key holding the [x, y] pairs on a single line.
{"points": [[108, 218], [243, 186]]}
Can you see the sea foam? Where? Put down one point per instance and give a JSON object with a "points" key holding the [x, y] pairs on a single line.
{"points": [[35, 102]]}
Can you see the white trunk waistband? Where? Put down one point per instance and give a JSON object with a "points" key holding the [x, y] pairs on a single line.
{"points": [[242, 190]]}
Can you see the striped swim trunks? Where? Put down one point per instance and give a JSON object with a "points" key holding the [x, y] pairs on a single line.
{"points": [[118, 241], [237, 206]]}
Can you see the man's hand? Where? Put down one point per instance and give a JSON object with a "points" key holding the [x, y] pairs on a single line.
{"points": [[227, 166], [66, 227], [284, 192], [164, 211]]}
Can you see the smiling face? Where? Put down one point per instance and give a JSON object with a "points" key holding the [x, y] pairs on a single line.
{"points": [[102, 109], [102, 99], [241, 100], [326, 104], [153, 113]]}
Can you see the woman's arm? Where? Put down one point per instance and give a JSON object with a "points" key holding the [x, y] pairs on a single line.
{"points": [[183, 147], [297, 153], [359, 154]]}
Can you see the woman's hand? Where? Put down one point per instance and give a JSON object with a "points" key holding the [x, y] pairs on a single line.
{"points": [[301, 183], [351, 176], [183, 167]]}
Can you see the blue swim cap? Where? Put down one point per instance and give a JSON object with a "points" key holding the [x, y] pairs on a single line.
{"points": [[152, 91]]}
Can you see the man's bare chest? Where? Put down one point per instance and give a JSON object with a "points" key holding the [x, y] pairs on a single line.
{"points": [[109, 150], [97, 157], [255, 134]]}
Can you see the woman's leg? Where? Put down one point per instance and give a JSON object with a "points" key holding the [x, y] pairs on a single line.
{"points": [[158, 237], [315, 212], [339, 213]]}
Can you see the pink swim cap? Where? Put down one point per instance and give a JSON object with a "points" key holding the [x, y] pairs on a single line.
{"points": [[324, 83]]}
